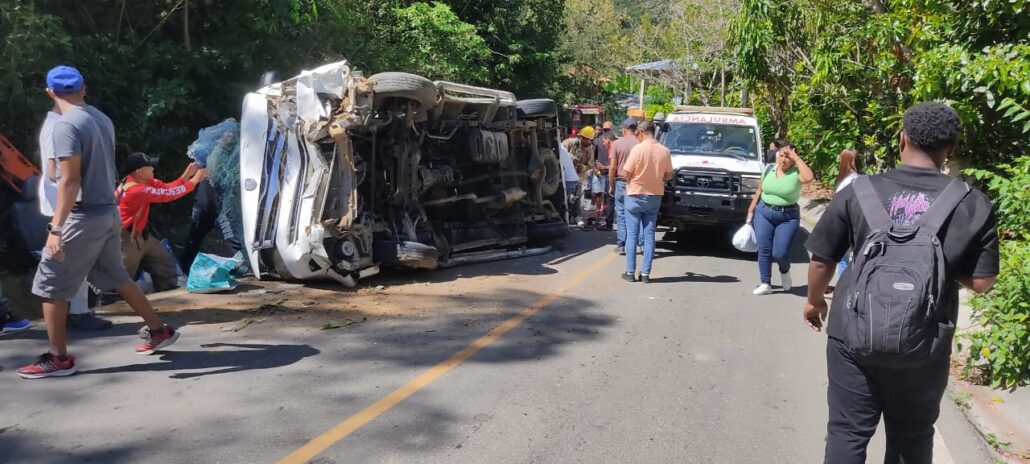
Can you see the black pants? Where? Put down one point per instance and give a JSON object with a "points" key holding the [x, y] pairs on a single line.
{"points": [[206, 207], [908, 399]]}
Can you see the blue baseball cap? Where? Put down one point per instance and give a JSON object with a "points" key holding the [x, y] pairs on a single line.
{"points": [[64, 79]]}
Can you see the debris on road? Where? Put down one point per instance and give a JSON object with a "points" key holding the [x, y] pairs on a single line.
{"points": [[341, 323], [243, 325]]}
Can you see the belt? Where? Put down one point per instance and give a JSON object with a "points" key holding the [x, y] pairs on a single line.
{"points": [[79, 207], [783, 208], [621, 179]]}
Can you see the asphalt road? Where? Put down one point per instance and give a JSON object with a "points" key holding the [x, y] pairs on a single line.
{"points": [[550, 359]]}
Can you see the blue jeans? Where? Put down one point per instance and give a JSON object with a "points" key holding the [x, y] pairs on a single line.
{"points": [[620, 215], [641, 219], [775, 231]]}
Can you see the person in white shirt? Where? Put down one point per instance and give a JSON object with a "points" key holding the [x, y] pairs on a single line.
{"points": [[846, 174], [80, 315], [848, 171], [571, 180]]}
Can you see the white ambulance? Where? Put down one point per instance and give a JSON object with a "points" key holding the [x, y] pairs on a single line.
{"points": [[717, 159]]}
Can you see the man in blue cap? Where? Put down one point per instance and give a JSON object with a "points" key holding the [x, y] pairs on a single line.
{"points": [[84, 234], [80, 315]]}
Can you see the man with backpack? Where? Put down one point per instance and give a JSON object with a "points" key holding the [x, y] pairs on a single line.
{"points": [[916, 234]]}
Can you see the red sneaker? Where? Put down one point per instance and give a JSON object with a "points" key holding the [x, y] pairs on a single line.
{"points": [[47, 365], [156, 340]]}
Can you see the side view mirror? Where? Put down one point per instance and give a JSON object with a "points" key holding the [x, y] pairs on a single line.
{"points": [[269, 78]]}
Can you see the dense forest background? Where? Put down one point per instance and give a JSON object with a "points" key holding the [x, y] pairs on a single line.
{"points": [[828, 74]]}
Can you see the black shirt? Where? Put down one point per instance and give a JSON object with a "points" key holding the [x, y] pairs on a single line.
{"points": [[969, 238], [600, 151]]}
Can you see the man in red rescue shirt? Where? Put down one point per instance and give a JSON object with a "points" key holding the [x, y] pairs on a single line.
{"points": [[141, 249]]}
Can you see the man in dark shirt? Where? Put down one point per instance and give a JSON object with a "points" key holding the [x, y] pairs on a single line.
{"points": [[774, 148], [206, 208], [908, 399], [620, 151]]}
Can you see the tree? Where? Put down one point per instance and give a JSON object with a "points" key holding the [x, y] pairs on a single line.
{"points": [[693, 35], [839, 73], [593, 46], [431, 40]]}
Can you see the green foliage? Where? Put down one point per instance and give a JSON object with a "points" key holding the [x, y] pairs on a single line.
{"points": [[39, 37], [432, 41], [838, 73], [1002, 347], [833, 74], [161, 80]]}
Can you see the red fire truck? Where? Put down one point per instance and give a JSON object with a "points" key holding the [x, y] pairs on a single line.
{"points": [[584, 115]]}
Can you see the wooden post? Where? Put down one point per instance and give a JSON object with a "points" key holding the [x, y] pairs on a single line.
{"points": [[722, 91], [642, 83]]}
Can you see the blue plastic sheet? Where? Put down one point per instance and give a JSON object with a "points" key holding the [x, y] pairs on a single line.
{"points": [[212, 274], [218, 149], [214, 141]]}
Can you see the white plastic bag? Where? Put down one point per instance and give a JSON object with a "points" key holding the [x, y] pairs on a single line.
{"points": [[744, 239]]}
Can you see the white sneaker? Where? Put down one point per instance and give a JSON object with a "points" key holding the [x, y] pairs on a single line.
{"points": [[786, 282], [763, 289]]}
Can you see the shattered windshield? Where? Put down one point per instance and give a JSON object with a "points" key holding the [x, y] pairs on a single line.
{"points": [[713, 139]]}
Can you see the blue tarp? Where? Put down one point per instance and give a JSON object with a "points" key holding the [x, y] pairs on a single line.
{"points": [[212, 274], [664, 65], [218, 149]]}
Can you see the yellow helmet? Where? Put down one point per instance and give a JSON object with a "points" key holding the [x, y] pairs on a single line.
{"points": [[587, 132]]}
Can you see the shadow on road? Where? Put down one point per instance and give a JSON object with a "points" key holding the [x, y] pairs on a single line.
{"points": [[430, 339], [717, 243], [696, 278], [248, 357], [801, 291]]}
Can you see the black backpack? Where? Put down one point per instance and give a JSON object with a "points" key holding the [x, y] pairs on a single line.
{"points": [[892, 316]]}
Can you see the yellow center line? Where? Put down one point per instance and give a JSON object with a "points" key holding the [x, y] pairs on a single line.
{"points": [[355, 422]]}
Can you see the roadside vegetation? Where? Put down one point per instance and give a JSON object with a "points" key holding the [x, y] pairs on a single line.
{"points": [[828, 74], [838, 74]]}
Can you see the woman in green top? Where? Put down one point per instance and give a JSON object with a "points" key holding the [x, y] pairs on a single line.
{"points": [[775, 215]]}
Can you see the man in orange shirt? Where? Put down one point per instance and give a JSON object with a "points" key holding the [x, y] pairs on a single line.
{"points": [[140, 247], [646, 170]]}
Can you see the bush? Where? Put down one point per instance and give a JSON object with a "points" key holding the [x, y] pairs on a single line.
{"points": [[1001, 348]]}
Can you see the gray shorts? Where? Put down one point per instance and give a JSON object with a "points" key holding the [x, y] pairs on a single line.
{"points": [[92, 249]]}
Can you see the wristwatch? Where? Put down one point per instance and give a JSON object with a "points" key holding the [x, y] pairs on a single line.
{"points": [[55, 230]]}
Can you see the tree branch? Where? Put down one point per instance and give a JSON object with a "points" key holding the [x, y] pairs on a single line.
{"points": [[186, 23]]}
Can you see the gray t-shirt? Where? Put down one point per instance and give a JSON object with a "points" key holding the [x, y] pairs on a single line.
{"points": [[87, 132]]}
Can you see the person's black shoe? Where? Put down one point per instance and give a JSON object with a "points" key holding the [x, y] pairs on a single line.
{"points": [[628, 277], [621, 250], [88, 322], [109, 298], [645, 278]]}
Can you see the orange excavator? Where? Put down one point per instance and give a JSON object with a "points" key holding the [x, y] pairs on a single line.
{"points": [[15, 168]]}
